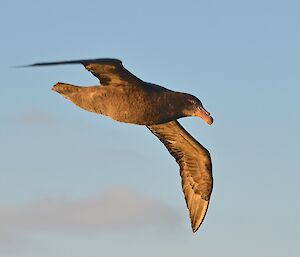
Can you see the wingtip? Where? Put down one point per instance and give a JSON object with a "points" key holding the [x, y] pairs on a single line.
{"points": [[195, 226], [197, 220], [83, 61], [21, 66], [195, 229]]}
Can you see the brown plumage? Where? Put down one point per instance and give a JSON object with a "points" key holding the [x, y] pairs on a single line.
{"points": [[195, 167], [126, 98]]}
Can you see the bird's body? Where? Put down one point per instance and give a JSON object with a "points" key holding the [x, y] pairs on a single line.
{"points": [[126, 98], [128, 103]]}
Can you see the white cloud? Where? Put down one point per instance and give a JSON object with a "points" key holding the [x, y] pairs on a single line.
{"points": [[113, 209]]}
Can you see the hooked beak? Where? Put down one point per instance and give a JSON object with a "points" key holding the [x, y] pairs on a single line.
{"points": [[204, 114]]}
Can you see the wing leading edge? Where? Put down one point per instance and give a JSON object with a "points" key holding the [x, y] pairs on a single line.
{"points": [[109, 71]]}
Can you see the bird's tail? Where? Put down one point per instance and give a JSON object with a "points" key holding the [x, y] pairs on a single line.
{"points": [[84, 97], [65, 89]]}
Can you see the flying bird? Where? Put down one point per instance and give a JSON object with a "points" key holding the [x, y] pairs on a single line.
{"points": [[126, 98]]}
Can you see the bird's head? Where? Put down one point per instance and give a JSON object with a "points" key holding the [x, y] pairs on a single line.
{"points": [[194, 107]]}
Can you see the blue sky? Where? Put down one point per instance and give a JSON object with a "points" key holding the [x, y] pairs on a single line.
{"points": [[76, 184]]}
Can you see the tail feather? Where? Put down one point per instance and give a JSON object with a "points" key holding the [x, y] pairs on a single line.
{"points": [[87, 98], [65, 89]]}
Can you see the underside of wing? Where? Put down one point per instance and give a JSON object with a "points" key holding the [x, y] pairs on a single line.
{"points": [[195, 167], [108, 71]]}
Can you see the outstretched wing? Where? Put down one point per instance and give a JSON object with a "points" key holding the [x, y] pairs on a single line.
{"points": [[195, 167], [108, 71]]}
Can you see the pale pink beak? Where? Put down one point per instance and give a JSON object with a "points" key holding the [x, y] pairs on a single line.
{"points": [[205, 115]]}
